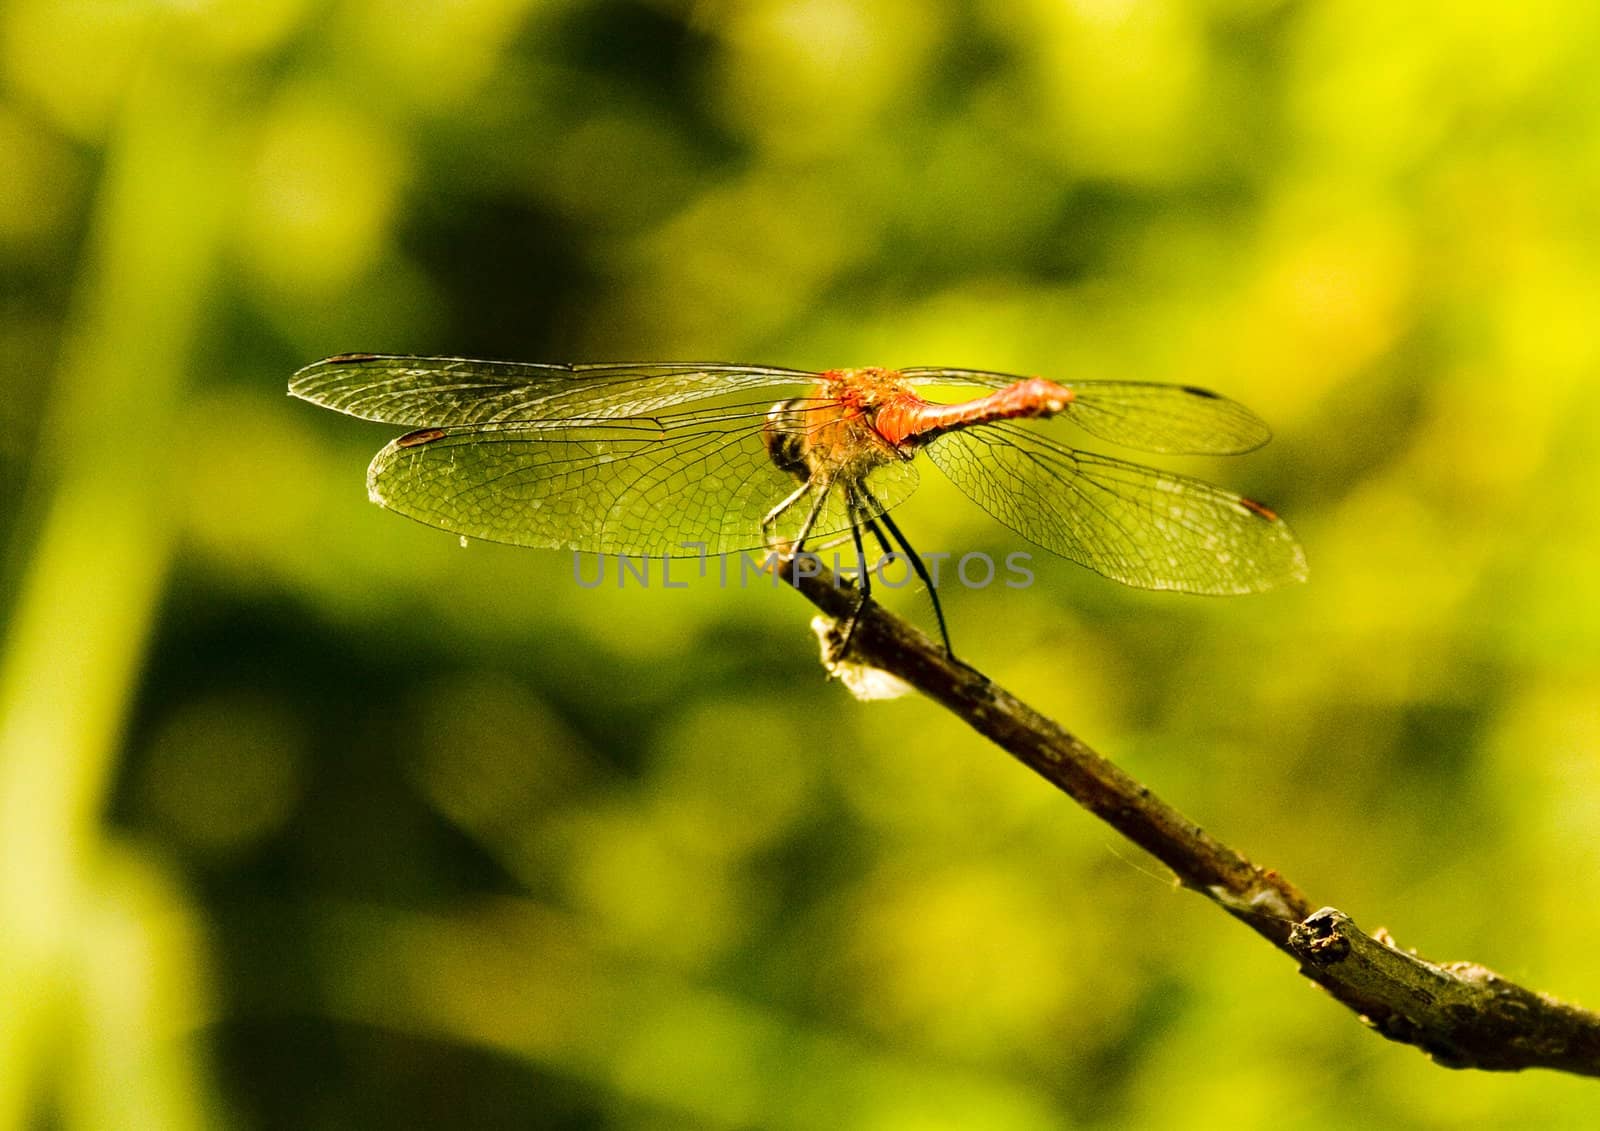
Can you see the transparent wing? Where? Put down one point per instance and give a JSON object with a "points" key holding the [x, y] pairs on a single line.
{"points": [[643, 486], [1143, 527], [420, 392], [1139, 414]]}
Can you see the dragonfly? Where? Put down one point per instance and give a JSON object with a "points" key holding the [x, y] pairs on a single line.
{"points": [[682, 458]]}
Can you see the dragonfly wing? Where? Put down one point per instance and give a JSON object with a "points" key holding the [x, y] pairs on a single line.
{"points": [[1140, 414], [1143, 527], [420, 392], [644, 486], [1166, 418]]}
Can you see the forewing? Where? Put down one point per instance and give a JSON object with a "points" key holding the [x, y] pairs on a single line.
{"points": [[421, 392], [1166, 418], [661, 487], [1140, 414], [1143, 527]]}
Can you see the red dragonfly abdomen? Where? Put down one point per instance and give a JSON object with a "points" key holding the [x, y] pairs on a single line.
{"points": [[908, 419]]}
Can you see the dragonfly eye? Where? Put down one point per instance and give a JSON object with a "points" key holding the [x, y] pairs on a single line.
{"points": [[784, 435]]}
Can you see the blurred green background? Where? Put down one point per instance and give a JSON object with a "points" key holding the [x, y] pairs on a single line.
{"points": [[311, 819]]}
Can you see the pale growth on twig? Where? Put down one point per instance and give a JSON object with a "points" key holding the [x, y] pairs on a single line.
{"points": [[866, 683]]}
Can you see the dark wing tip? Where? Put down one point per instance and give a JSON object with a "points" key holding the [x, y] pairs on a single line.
{"points": [[1261, 510], [1293, 567], [419, 437], [1252, 432]]}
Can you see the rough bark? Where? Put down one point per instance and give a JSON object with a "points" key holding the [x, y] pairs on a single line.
{"points": [[1461, 1014]]}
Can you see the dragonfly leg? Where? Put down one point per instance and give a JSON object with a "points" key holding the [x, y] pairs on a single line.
{"points": [[799, 543], [877, 532], [858, 518], [777, 512], [921, 569]]}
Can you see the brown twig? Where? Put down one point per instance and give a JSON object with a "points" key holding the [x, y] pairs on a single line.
{"points": [[1460, 1014]]}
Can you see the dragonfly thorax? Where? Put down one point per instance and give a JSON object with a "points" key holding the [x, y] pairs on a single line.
{"points": [[826, 439]]}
